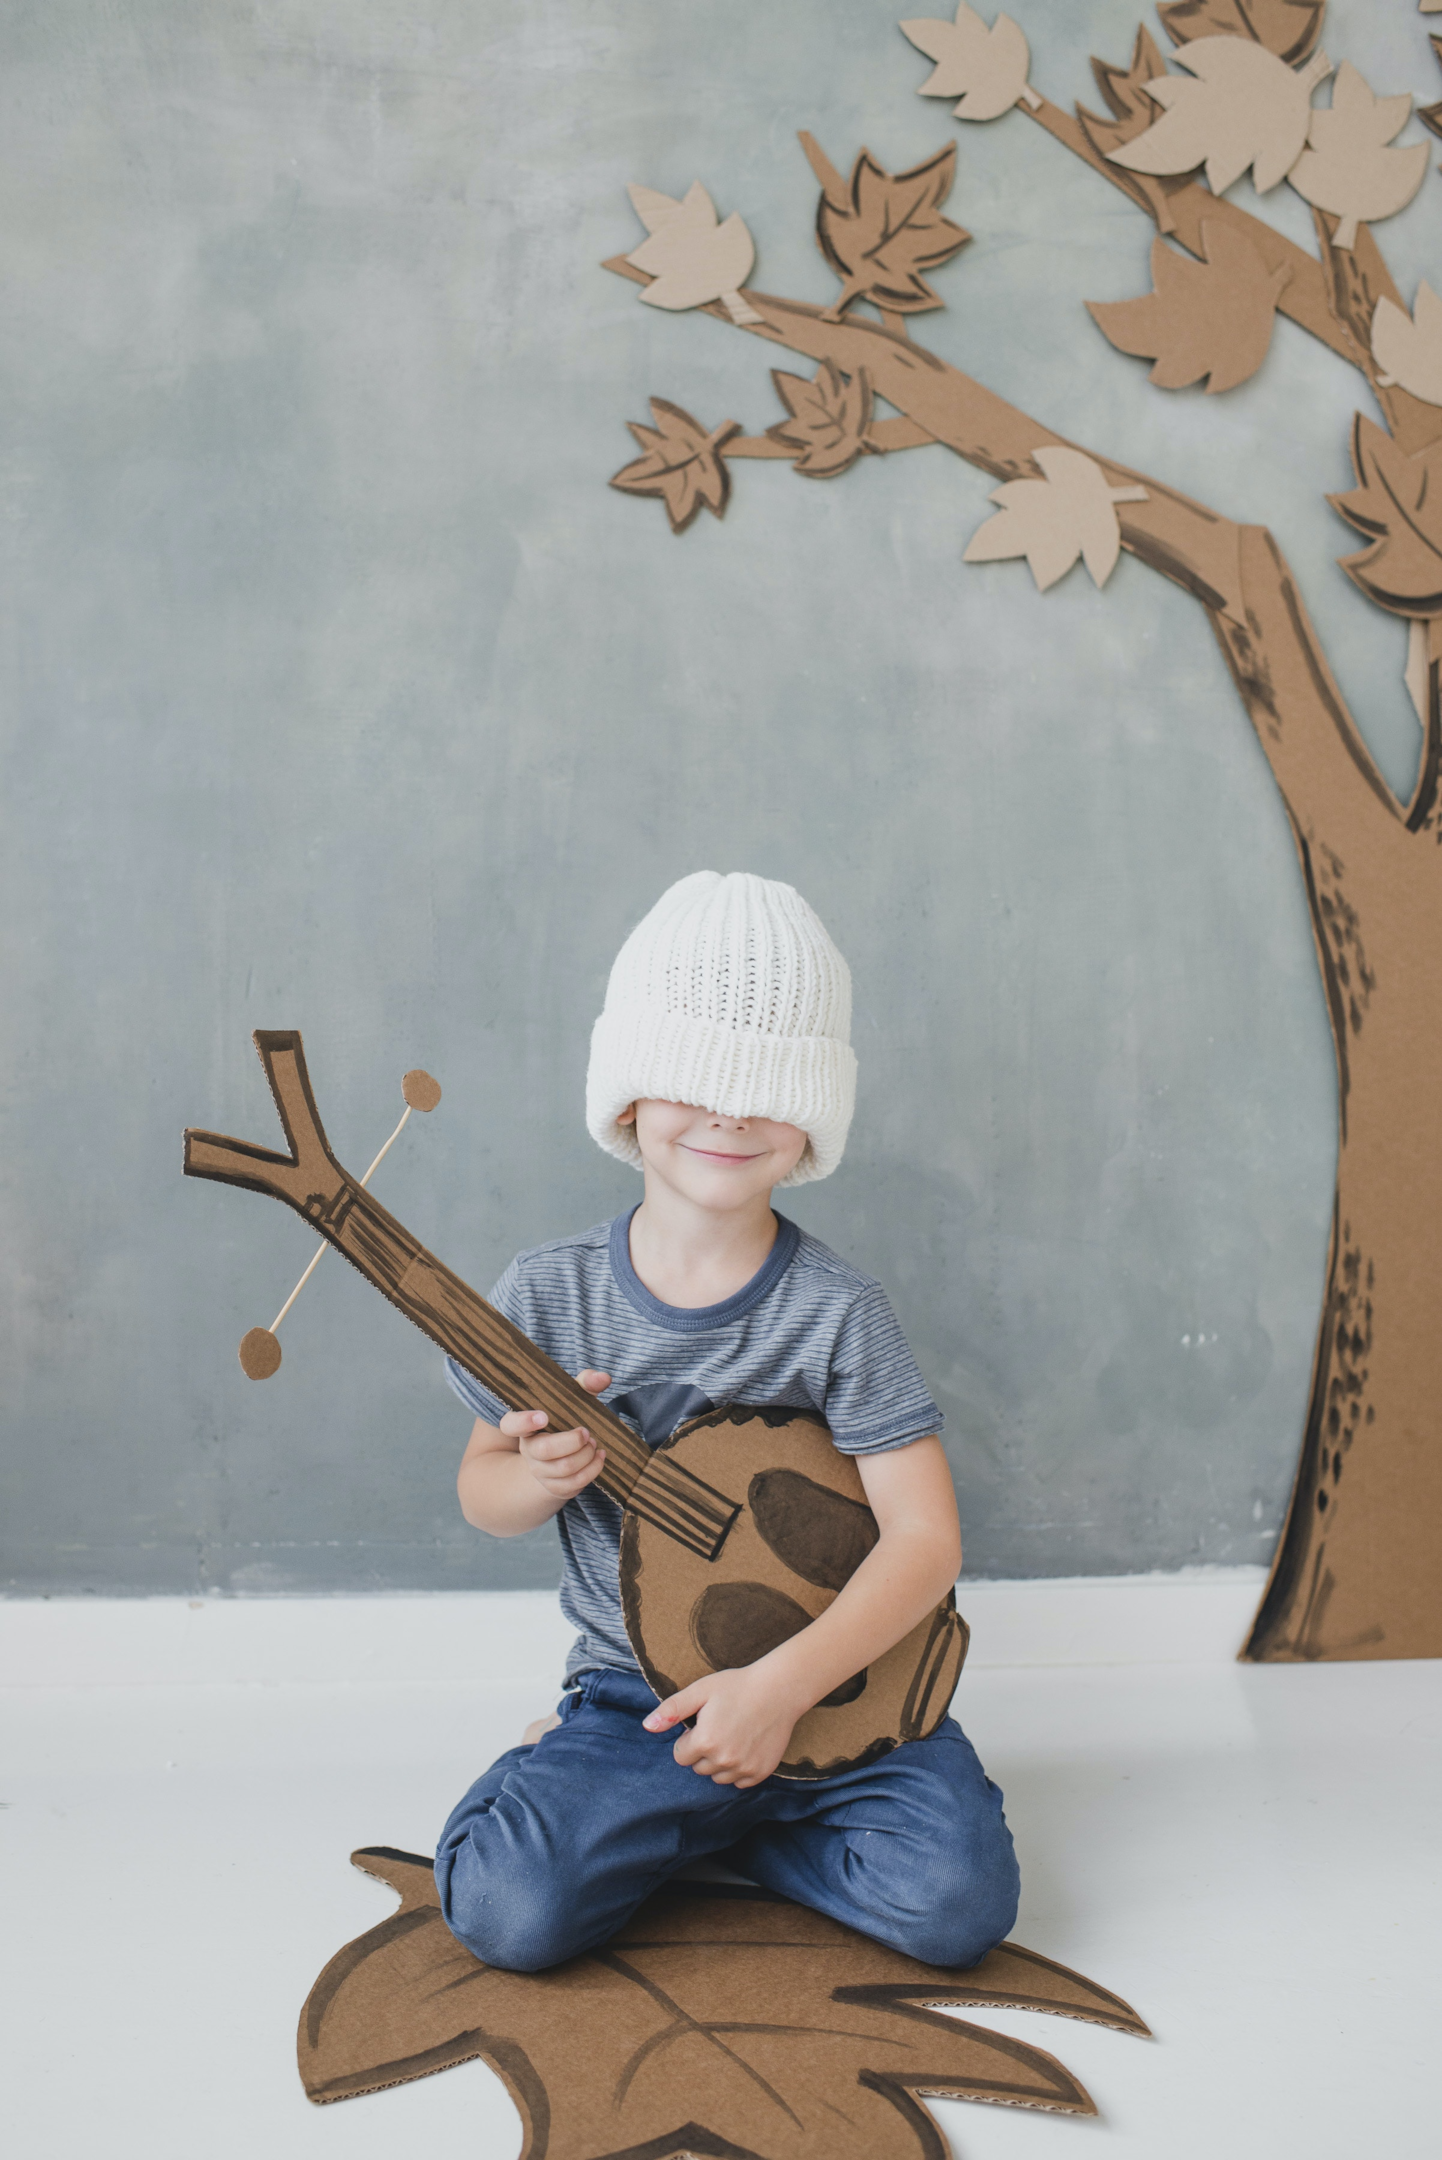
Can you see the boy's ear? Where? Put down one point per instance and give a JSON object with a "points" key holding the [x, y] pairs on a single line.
{"points": [[626, 1116]]}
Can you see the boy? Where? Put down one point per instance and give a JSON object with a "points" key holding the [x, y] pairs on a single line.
{"points": [[721, 1066]]}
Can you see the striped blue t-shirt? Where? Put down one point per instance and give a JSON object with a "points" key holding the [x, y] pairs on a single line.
{"points": [[808, 1331]]}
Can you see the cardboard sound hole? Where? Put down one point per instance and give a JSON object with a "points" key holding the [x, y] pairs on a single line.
{"points": [[820, 1535], [736, 1623]]}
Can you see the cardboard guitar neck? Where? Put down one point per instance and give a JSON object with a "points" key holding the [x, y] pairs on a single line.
{"points": [[310, 1180]]}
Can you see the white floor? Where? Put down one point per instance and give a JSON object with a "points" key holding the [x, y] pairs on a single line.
{"points": [[1249, 1856]]}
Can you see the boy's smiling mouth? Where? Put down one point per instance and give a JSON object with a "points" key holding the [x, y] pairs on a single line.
{"points": [[719, 1154]]}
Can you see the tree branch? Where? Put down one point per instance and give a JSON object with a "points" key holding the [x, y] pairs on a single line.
{"points": [[1182, 539], [1320, 762], [882, 435], [1333, 298]]}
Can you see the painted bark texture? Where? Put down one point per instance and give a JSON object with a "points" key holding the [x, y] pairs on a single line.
{"points": [[1358, 1569]]}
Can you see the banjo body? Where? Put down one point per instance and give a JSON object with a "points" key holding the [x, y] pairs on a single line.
{"points": [[803, 1530], [737, 1532]]}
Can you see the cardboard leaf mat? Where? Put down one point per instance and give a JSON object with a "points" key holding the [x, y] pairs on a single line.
{"points": [[721, 2020]]}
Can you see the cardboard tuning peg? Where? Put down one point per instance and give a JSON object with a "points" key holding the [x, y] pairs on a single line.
{"points": [[419, 1090], [259, 1354]]}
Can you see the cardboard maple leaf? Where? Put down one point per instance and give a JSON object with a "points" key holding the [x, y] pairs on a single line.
{"points": [[879, 231], [719, 2020], [690, 257], [1132, 112], [828, 418], [1431, 115], [1288, 28], [1210, 318], [1125, 90], [1347, 167], [1397, 503], [1408, 348], [985, 68], [681, 463], [1054, 520], [1244, 107]]}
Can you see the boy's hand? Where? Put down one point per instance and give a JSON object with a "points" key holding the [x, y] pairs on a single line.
{"points": [[743, 1723], [562, 1464]]}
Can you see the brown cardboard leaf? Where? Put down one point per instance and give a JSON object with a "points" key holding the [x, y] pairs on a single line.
{"points": [[1245, 107], [1132, 111], [827, 418], [1209, 318], [881, 230], [1347, 167], [720, 2019], [1408, 348], [1431, 115], [681, 463], [1289, 28], [984, 68], [690, 257], [1397, 503], [1125, 90], [1052, 521]]}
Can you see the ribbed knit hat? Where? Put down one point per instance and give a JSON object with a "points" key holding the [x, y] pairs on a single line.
{"points": [[729, 995]]}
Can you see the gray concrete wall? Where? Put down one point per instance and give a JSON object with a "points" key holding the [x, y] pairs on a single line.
{"points": [[341, 692]]}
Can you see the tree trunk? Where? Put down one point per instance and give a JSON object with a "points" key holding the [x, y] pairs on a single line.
{"points": [[1359, 1561]]}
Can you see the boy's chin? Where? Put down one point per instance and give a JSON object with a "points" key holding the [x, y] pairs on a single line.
{"points": [[720, 1190]]}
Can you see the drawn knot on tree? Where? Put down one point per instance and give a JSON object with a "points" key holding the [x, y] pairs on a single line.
{"points": [[1358, 1568]]}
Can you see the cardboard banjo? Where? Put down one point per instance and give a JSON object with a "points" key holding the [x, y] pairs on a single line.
{"points": [[738, 1531]]}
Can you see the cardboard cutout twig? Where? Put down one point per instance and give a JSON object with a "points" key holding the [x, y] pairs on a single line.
{"points": [[720, 2020], [1358, 1571]]}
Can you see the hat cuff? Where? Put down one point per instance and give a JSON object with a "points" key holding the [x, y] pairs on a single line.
{"points": [[650, 1053]]}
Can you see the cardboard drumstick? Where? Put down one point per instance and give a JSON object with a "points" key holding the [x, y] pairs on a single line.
{"points": [[259, 1349]]}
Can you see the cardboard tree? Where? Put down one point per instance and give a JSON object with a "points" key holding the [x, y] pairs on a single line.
{"points": [[1358, 1570], [720, 2020]]}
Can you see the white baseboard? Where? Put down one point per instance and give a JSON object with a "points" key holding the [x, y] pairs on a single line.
{"points": [[1198, 1616]]}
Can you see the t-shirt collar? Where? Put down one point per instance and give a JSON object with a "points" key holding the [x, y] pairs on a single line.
{"points": [[692, 1319]]}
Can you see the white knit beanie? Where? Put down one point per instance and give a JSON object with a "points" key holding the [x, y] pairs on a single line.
{"points": [[729, 995]]}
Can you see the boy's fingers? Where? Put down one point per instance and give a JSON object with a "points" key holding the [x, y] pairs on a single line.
{"points": [[554, 1447], [521, 1424], [593, 1381], [676, 1708], [572, 1483]]}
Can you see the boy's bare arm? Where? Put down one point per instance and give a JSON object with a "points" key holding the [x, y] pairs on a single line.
{"points": [[516, 1475], [744, 1717]]}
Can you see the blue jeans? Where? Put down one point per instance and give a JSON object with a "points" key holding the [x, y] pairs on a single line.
{"points": [[553, 1849]]}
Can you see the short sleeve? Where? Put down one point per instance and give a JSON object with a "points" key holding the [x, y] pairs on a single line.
{"points": [[508, 1295], [876, 1398]]}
